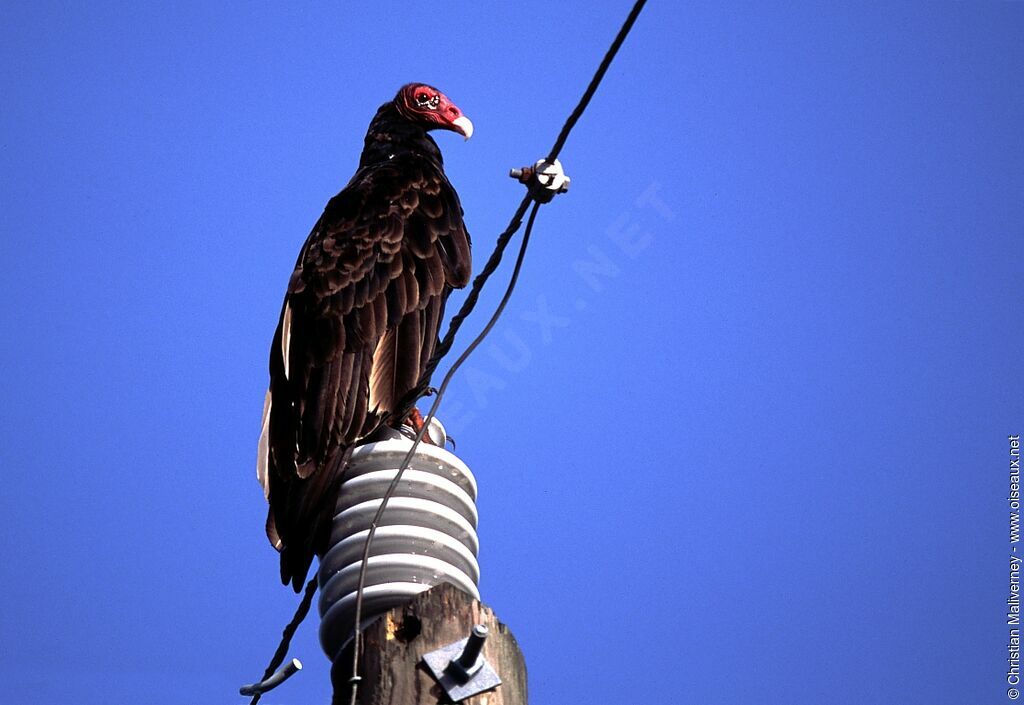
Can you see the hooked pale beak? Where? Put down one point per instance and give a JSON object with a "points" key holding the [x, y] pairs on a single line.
{"points": [[463, 125]]}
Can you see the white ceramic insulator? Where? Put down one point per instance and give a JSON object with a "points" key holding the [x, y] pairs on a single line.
{"points": [[426, 536]]}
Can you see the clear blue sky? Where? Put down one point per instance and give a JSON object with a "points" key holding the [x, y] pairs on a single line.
{"points": [[758, 456]]}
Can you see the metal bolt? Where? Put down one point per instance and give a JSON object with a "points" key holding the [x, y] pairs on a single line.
{"points": [[469, 662], [460, 667]]}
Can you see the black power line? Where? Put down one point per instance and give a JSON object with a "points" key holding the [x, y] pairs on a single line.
{"points": [[596, 80]]}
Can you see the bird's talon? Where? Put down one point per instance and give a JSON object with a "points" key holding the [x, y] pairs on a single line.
{"points": [[417, 422]]}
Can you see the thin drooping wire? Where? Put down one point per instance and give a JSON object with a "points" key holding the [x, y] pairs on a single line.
{"points": [[357, 640], [286, 637]]}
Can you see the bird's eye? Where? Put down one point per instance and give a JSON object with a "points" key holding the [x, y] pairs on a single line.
{"points": [[426, 100]]}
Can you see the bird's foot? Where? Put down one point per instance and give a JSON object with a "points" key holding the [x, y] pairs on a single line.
{"points": [[416, 421]]}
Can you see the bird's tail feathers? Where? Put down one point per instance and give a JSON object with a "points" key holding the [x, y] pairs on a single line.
{"points": [[311, 504]]}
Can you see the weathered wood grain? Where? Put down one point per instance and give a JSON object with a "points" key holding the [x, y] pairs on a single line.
{"points": [[391, 664]]}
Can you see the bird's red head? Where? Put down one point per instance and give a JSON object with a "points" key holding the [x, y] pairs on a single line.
{"points": [[429, 107]]}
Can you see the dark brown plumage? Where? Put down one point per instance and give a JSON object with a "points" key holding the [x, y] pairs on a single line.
{"points": [[360, 317]]}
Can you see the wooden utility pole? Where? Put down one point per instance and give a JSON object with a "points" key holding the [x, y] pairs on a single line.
{"points": [[391, 663]]}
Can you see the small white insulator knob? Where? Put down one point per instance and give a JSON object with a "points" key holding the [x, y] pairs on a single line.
{"points": [[551, 176]]}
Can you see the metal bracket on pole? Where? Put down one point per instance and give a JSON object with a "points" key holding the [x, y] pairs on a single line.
{"points": [[543, 179], [461, 669]]}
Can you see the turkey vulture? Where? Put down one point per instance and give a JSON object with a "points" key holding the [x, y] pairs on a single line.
{"points": [[360, 318]]}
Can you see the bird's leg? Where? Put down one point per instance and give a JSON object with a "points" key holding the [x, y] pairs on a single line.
{"points": [[416, 420]]}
